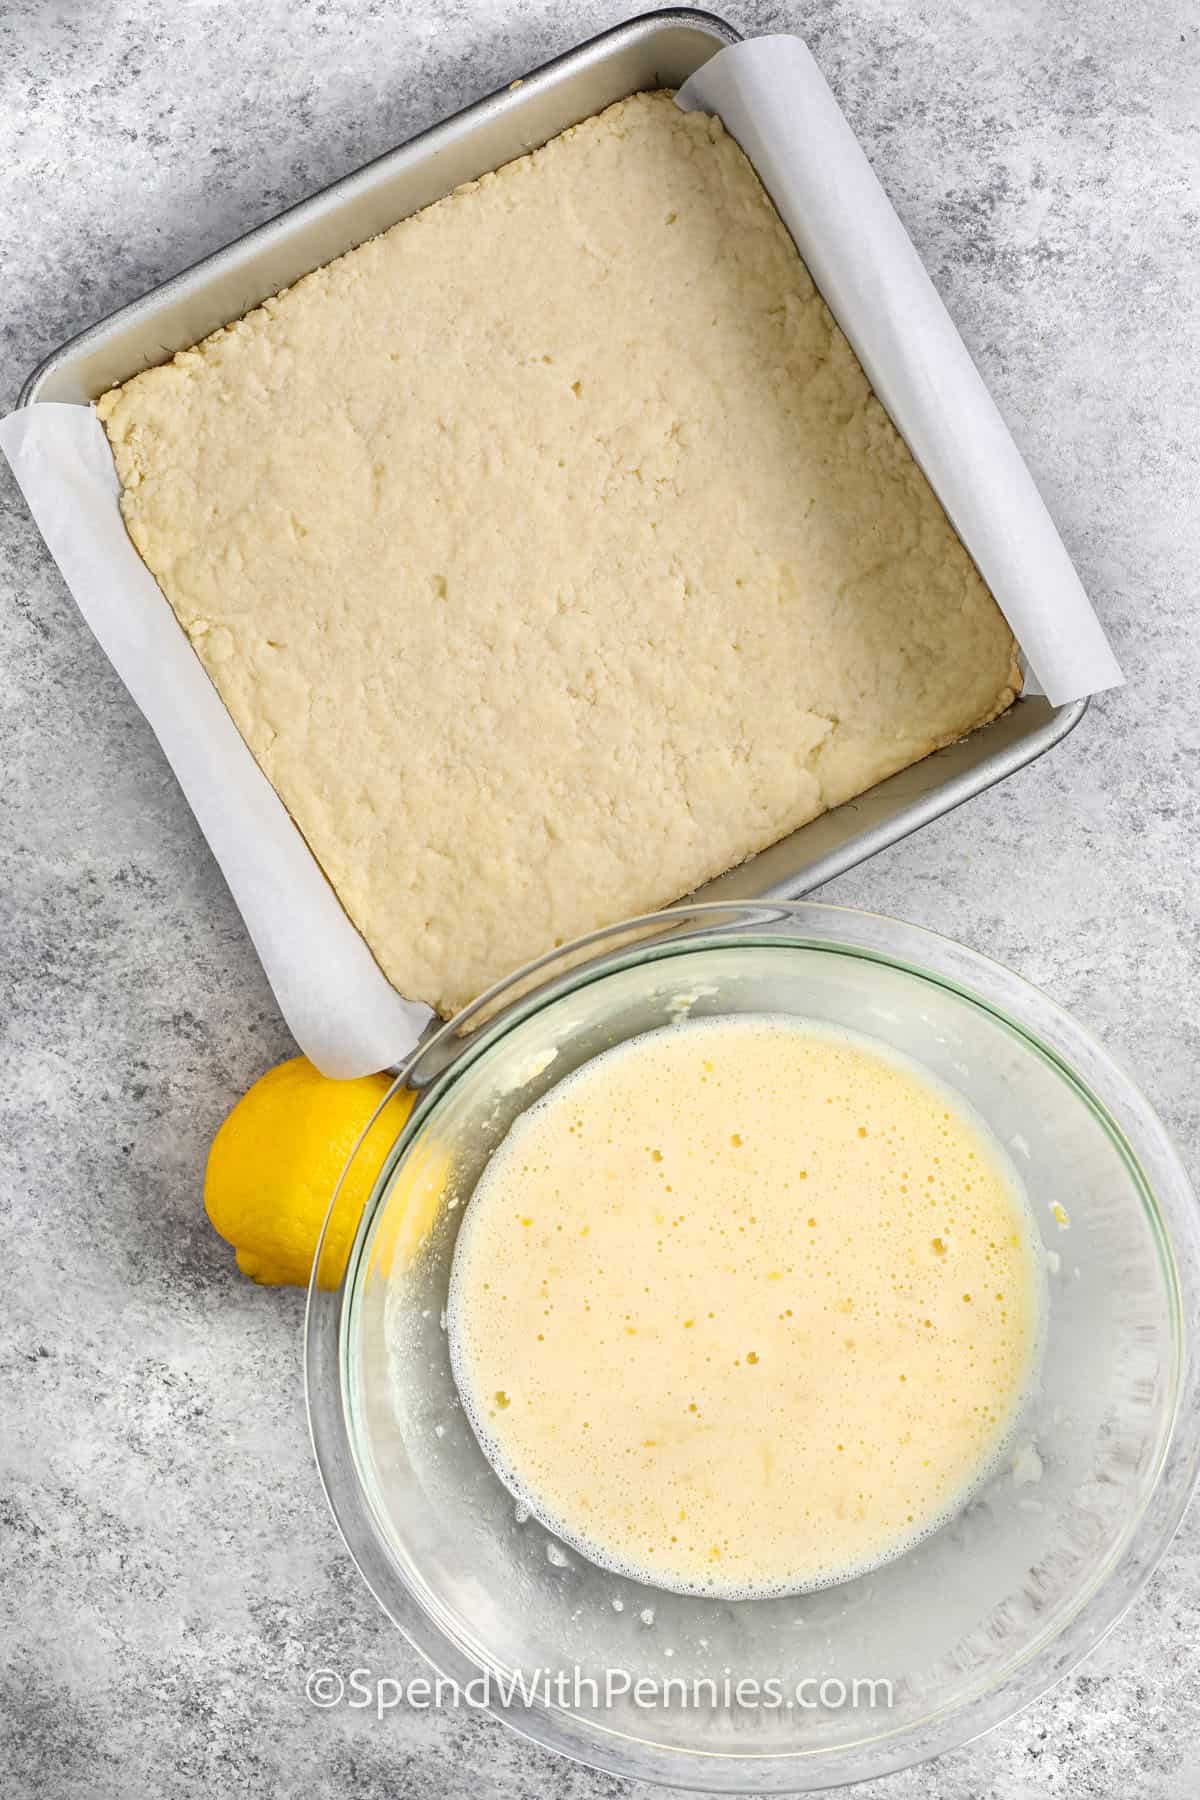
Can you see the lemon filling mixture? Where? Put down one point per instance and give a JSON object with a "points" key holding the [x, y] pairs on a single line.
{"points": [[745, 1306]]}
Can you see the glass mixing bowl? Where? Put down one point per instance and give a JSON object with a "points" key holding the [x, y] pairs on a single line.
{"points": [[778, 1695]]}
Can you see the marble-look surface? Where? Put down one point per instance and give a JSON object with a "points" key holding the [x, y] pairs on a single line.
{"points": [[169, 1569]]}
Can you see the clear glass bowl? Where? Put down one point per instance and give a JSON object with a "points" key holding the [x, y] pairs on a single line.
{"points": [[896, 1665]]}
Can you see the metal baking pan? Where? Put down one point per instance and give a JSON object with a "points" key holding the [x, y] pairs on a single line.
{"points": [[661, 49]]}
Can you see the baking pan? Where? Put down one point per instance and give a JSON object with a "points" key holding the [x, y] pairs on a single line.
{"points": [[661, 49]]}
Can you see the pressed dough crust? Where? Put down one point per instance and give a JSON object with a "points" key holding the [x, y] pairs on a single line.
{"points": [[551, 551]]}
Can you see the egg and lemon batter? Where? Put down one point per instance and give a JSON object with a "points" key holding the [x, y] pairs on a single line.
{"points": [[744, 1306]]}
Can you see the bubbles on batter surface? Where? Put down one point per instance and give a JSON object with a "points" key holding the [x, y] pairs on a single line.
{"points": [[759, 1298]]}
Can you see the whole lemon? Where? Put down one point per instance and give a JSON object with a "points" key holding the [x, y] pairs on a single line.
{"points": [[276, 1160]]}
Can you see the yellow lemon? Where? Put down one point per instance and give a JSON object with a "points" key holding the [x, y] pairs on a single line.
{"points": [[410, 1212], [276, 1160]]}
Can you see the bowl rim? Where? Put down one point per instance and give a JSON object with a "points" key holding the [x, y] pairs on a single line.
{"points": [[1058, 1038]]}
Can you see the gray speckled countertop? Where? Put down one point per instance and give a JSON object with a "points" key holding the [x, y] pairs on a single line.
{"points": [[169, 1569]]}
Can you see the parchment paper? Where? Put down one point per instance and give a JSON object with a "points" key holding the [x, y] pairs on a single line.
{"points": [[771, 96], [341, 1010]]}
